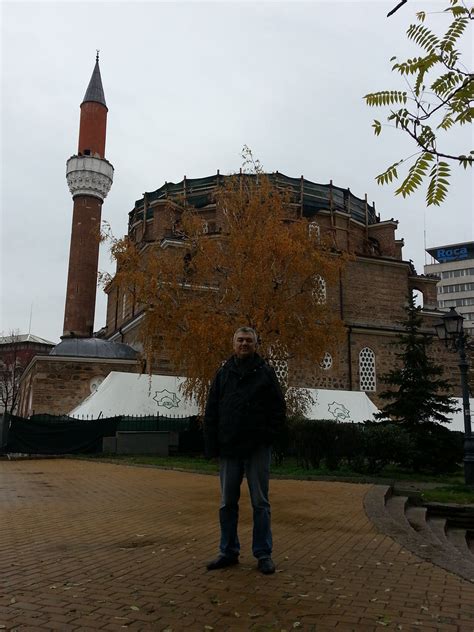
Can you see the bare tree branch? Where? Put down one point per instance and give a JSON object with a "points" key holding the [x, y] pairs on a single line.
{"points": [[399, 5]]}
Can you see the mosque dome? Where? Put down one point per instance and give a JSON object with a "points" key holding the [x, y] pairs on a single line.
{"points": [[94, 348]]}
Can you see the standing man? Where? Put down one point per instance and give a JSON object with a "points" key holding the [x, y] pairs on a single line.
{"points": [[244, 411]]}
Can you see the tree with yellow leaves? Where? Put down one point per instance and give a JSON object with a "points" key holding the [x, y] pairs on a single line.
{"points": [[265, 269]]}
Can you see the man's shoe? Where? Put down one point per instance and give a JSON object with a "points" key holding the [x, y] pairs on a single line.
{"points": [[266, 565], [222, 562]]}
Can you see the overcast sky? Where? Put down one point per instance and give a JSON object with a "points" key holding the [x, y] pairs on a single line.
{"points": [[188, 84]]}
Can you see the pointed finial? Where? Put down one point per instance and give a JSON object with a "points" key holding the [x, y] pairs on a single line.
{"points": [[97, 55], [95, 91]]}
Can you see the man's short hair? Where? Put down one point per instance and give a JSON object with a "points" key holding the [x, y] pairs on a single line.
{"points": [[246, 330]]}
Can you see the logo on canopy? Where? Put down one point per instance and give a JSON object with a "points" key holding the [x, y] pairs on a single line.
{"points": [[166, 398], [339, 411]]}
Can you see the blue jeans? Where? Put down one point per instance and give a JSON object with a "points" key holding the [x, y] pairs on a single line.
{"points": [[257, 471]]}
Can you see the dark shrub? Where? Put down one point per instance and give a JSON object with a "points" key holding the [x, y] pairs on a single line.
{"points": [[383, 444], [369, 447], [350, 442], [306, 442], [280, 446], [313, 441], [330, 436], [435, 449]]}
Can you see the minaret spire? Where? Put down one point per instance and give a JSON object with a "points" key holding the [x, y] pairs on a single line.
{"points": [[89, 176], [95, 91]]}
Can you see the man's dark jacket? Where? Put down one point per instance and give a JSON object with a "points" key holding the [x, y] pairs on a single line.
{"points": [[245, 408]]}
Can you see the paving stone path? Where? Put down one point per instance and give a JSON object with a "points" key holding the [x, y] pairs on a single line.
{"points": [[98, 546]]}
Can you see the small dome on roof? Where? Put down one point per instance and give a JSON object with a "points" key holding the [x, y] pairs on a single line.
{"points": [[94, 348]]}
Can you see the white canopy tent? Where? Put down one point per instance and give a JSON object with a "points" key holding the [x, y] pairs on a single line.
{"points": [[457, 419], [355, 406], [347, 406], [132, 394]]}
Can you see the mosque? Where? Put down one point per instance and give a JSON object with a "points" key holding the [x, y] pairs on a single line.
{"points": [[370, 298]]}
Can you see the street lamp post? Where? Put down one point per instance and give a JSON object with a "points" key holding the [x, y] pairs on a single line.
{"points": [[450, 329]]}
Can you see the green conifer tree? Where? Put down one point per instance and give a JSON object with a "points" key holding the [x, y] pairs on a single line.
{"points": [[418, 390]]}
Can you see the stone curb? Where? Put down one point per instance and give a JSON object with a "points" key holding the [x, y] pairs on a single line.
{"points": [[374, 505]]}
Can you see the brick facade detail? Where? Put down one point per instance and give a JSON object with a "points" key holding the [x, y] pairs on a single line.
{"points": [[55, 384], [83, 263], [370, 297], [92, 129]]}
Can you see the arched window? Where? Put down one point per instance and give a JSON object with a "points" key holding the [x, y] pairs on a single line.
{"points": [[124, 306], [319, 289], [314, 231], [277, 357], [418, 298], [374, 246], [326, 362], [367, 377], [281, 370]]}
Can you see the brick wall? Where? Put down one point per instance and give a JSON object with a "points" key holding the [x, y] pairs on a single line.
{"points": [[375, 291], [92, 128], [55, 385], [83, 260], [370, 296]]}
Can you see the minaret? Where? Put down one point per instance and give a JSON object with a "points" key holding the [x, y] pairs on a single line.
{"points": [[89, 176]]}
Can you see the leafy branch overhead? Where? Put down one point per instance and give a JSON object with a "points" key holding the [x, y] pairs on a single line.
{"points": [[439, 98]]}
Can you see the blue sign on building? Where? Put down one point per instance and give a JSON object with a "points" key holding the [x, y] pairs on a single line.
{"points": [[456, 252]]}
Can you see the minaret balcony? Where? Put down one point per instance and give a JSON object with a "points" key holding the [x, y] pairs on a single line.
{"points": [[88, 175]]}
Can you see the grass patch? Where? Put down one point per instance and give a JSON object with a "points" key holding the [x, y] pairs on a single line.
{"points": [[458, 494], [289, 468]]}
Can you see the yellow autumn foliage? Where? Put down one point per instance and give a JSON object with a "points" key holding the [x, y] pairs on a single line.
{"points": [[264, 269]]}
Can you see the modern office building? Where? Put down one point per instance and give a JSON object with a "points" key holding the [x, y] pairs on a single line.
{"points": [[454, 265]]}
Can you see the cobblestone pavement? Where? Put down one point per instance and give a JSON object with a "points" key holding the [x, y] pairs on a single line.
{"points": [[89, 546]]}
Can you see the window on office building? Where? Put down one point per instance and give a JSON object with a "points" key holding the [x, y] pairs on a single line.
{"points": [[458, 287]]}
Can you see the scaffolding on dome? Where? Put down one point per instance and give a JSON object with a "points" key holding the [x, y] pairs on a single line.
{"points": [[313, 197]]}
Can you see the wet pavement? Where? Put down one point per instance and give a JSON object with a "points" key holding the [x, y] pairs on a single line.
{"points": [[99, 546]]}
